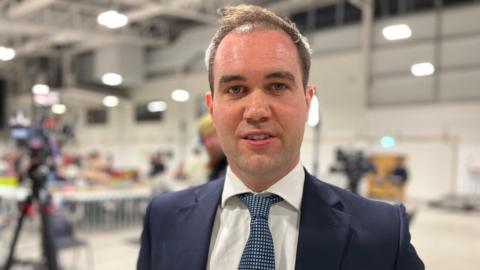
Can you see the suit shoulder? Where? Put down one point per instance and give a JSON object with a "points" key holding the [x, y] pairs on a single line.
{"points": [[367, 211], [179, 199]]}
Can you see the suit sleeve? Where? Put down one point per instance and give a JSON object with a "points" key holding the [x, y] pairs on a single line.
{"points": [[144, 258], [407, 258]]}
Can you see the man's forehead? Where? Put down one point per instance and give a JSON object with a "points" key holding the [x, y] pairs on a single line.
{"points": [[257, 35], [255, 45], [258, 44]]}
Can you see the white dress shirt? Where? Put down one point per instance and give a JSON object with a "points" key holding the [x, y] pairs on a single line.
{"points": [[232, 222]]}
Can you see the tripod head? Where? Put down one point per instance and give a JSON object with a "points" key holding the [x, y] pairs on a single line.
{"points": [[39, 143], [354, 165]]}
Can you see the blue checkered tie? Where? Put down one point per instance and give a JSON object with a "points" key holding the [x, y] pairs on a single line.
{"points": [[258, 253]]}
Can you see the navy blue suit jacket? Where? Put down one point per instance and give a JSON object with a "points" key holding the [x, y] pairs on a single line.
{"points": [[338, 231]]}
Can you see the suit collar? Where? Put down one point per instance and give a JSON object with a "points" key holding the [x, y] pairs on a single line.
{"points": [[289, 187], [194, 227], [324, 227]]}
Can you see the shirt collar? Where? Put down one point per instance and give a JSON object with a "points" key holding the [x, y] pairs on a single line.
{"points": [[289, 188]]}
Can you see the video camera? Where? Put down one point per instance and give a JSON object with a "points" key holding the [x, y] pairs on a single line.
{"points": [[40, 143], [354, 165], [35, 139]]}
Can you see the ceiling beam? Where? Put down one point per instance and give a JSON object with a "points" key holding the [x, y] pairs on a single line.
{"points": [[32, 29], [151, 10], [358, 3], [289, 7], [92, 44], [16, 28], [27, 7], [44, 36]]}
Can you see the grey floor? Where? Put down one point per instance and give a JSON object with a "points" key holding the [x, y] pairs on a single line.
{"points": [[445, 240]]}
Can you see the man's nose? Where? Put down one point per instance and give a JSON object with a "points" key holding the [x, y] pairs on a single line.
{"points": [[257, 107]]}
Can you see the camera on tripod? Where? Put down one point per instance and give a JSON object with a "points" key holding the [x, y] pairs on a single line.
{"points": [[40, 164], [354, 165]]}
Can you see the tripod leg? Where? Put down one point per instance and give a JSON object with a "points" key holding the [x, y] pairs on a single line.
{"points": [[26, 205], [48, 242]]}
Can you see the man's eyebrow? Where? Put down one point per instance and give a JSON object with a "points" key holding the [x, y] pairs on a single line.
{"points": [[229, 78], [281, 75]]}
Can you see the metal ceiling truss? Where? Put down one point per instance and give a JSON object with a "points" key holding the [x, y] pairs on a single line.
{"points": [[67, 28]]}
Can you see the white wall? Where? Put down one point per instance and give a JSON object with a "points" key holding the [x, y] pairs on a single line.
{"points": [[468, 173], [432, 138]]}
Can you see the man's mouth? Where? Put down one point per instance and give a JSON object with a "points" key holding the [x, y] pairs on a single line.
{"points": [[259, 137]]}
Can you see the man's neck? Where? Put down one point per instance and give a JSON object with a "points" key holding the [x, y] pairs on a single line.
{"points": [[261, 182]]}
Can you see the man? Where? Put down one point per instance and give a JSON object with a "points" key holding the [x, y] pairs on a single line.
{"points": [[197, 169], [258, 68], [217, 162]]}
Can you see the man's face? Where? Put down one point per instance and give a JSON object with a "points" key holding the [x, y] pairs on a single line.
{"points": [[259, 106]]}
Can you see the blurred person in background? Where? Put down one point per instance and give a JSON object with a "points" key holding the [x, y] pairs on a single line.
{"points": [[399, 175], [268, 212], [156, 164], [197, 169], [217, 162], [95, 171], [70, 168]]}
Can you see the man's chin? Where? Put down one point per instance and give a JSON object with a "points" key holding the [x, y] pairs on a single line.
{"points": [[258, 165]]}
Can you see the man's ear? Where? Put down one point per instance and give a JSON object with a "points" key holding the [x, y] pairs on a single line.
{"points": [[309, 93], [209, 102]]}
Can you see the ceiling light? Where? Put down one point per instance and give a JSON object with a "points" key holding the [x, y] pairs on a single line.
{"points": [[112, 19], [180, 95], [157, 106], [112, 79], [49, 99], [388, 141], [40, 89], [110, 101], [396, 32], [59, 108], [422, 69], [313, 113], [6, 54]]}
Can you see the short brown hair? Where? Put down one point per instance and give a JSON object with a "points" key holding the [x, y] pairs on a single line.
{"points": [[233, 17]]}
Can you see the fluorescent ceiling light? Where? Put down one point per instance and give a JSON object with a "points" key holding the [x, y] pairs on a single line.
{"points": [[157, 106], [313, 113], [110, 101], [180, 95], [112, 19], [422, 69], [6, 54], [40, 89], [388, 141], [59, 108], [112, 79], [396, 32]]}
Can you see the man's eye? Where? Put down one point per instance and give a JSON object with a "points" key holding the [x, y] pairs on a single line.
{"points": [[278, 86], [235, 90]]}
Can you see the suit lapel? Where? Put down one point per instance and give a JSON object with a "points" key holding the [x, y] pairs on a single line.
{"points": [[194, 227], [324, 228]]}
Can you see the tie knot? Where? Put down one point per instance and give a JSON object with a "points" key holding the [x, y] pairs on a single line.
{"points": [[259, 206]]}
